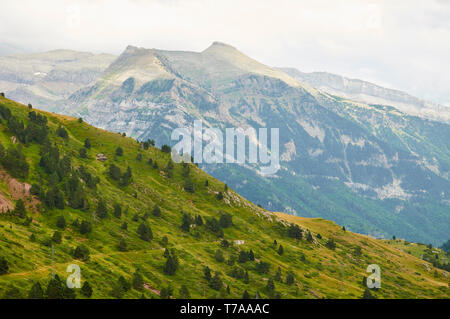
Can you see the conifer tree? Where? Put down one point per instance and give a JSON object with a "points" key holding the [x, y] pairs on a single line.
{"points": [[145, 232], [184, 292], [138, 281], [86, 290], [87, 143], [207, 273], [19, 210], [4, 266], [280, 250], [36, 291]]}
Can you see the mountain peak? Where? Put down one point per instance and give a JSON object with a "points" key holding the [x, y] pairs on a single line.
{"points": [[220, 46]]}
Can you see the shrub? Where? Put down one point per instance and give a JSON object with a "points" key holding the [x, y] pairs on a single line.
{"points": [[81, 252], [331, 244], [166, 148], [294, 231]]}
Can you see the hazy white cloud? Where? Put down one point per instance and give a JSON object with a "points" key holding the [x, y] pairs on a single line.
{"points": [[403, 44]]}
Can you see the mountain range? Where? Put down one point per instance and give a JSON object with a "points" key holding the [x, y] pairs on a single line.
{"points": [[366, 157], [137, 225]]}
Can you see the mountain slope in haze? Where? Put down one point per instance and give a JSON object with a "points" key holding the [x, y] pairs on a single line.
{"points": [[366, 92], [370, 167], [79, 210], [44, 79]]}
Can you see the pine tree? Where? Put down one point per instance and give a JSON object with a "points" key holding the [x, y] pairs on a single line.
{"points": [[245, 295], [331, 244], [166, 253], [55, 288], [199, 220], [117, 210], [166, 292], [117, 291], [207, 273], [225, 220], [57, 237], [184, 292], [87, 143], [290, 279], [85, 227], [243, 256], [81, 252], [309, 237], [138, 281], [185, 226], [61, 222], [216, 282], [171, 266], [122, 245], [145, 232], [61, 132], [189, 186], [246, 277], [124, 226], [4, 266], [124, 283], [102, 211], [114, 172], [156, 211], [294, 231], [68, 293], [278, 275], [280, 250], [86, 290], [368, 295], [19, 210], [126, 178], [82, 152], [119, 151], [270, 287], [165, 148], [251, 255], [36, 291]]}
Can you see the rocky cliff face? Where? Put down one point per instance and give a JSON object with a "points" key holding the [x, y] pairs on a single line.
{"points": [[45, 79], [370, 93]]}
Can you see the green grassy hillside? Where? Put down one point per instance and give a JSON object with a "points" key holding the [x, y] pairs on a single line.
{"points": [[127, 248]]}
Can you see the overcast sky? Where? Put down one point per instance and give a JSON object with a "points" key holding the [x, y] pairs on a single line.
{"points": [[402, 44]]}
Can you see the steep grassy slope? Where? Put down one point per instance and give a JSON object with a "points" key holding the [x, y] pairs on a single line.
{"points": [[318, 271]]}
